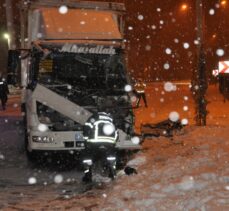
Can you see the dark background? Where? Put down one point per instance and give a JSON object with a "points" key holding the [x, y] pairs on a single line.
{"points": [[146, 45]]}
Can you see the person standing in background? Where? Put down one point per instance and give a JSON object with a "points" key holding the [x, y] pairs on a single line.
{"points": [[4, 91], [139, 90]]}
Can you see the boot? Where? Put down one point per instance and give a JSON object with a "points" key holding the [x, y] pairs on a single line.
{"points": [[87, 170]]}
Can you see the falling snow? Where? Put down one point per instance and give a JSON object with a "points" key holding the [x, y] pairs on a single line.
{"points": [[82, 22], [188, 171], [153, 27], [2, 157], [185, 98], [148, 47], [108, 129], [196, 42], [32, 180], [128, 88], [211, 11], [135, 140], [176, 40], [63, 9], [185, 108], [219, 52], [140, 17], [42, 127], [168, 51], [184, 121], [166, 66], [186, 45], [174, 116], [58, 179], [168, 87]]}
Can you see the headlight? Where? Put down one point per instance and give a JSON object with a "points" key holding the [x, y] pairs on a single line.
{"points": [[42, 139]]}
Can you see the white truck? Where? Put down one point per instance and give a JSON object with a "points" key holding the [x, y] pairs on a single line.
{"points": [[72, 62]]}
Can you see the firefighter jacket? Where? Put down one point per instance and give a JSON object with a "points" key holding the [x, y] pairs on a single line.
{"points": [[140, 87]]}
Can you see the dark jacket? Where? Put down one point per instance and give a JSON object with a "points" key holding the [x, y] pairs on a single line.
{"points": [[3, 89]]}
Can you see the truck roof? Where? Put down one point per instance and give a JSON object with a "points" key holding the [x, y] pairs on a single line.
{"points": [[111, 6], [78, 42]]}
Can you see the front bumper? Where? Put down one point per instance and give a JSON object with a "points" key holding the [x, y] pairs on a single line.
{"points": [[55, 141]]}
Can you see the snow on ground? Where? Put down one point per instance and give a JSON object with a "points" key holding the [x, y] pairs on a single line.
{"points": [[188, 172]]}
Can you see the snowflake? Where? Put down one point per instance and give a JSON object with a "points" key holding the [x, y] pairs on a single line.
{"points": [[220, 52], [140, 17], [63, 9], [211, 11]]}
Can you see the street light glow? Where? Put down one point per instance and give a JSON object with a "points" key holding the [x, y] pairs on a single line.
{"points": [[184, 7], [6, 36], [223, 2]]}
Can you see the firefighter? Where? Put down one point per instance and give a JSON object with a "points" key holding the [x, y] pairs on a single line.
{"points": [[100, 139], [3, 92], [139, 90]]}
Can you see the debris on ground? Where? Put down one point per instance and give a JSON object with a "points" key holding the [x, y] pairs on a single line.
{"points": [[165, 128], [129, 170]]}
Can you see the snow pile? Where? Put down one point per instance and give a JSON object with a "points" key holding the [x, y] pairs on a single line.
{"points": [[189, 177]]}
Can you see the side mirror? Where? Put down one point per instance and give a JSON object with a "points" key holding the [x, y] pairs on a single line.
{"points": [[13, 67]]}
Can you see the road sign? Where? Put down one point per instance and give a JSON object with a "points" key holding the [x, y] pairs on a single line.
{"points": [[215, 72], [224, 67]]}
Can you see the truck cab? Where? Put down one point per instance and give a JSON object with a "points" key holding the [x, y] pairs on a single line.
{"points": [[72, 67]]}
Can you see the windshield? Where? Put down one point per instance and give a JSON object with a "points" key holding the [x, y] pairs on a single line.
{"points": [[83, 70], [94, 81]]}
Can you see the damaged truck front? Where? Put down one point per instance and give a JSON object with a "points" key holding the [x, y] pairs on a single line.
{"points": [[73, 68]]}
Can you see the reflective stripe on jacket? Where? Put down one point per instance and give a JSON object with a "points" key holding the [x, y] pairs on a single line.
{"points": [[140, 87]]}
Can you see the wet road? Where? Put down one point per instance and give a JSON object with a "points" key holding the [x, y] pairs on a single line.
{"points": [[16, 172]]}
